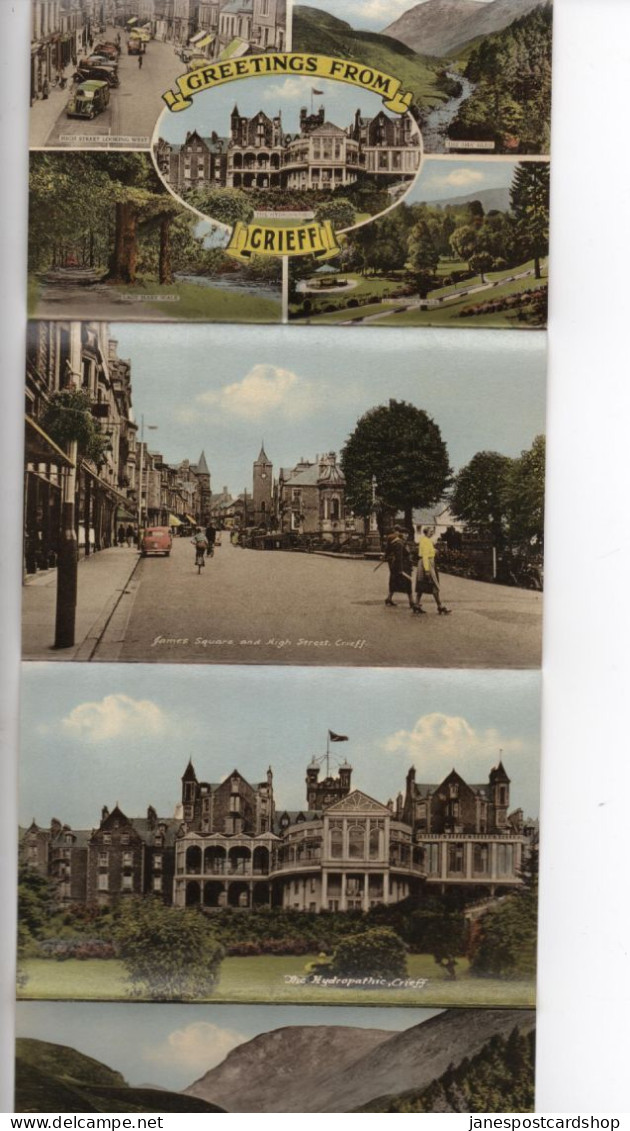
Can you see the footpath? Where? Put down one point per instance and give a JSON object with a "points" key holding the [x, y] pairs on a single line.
{"points": [[102, 581]]}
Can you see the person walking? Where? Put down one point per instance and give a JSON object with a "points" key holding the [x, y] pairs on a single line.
{"points": [[211, 537], [140, 61], [120, 536], [427, 576], [130, 535], [398, 559]]}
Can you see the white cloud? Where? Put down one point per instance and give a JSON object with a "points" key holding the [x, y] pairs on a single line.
{"points": [[196, 1049], [383, 11], [437, 743], [464, 177], [292, 89], [265, 389], [115, 716]]}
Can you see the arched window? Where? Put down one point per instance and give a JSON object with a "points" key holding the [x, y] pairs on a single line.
{"points": [[336, 842], [375, 843], [356, 842]]}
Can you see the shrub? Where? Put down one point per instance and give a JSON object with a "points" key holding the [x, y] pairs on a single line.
{"points": [[376, 953]]}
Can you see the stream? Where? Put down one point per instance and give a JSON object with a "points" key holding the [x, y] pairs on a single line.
{"points": [[438, 120]]}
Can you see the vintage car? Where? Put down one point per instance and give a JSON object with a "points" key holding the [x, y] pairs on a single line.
{"points": [[104, 72], [196, 61], [111, 50], [88, 99], [156, 540]]}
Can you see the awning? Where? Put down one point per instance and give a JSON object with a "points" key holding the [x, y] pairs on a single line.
{"points": [[40, 448], [192, 521], [206, 41], [235, 49], [173, 520], [122, 513], [197, 37], [133, 20]]}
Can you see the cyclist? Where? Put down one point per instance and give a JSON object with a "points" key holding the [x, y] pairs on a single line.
{"points": [[200, 542]]}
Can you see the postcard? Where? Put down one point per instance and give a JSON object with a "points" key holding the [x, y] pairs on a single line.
{"points": [[272, 1059], [338, 836]]}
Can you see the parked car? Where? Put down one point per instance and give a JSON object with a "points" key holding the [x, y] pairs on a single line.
{"points": [[112, 50], [88, 99], [102, 73], [156, 540]]}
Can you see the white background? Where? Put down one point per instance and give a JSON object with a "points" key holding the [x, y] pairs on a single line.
{"points": [[584, 970]]}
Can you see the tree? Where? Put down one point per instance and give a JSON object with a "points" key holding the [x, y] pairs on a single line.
{"points": [[480, 262], [68, 418], [480, 494], [377, 953], [423, 258], [445, 936], [227, 205], [529, 198], [340, 212], [506, 945], [402, 447], [526, 497], [169, 954]]}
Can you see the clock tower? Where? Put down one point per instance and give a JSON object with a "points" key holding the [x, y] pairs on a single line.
{"points": [[263, 490]]}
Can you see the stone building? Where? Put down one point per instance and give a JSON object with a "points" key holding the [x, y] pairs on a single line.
{"points": [[60, 29], [81, 356], [259, 153], [229, 845], [263, 491], [311, 499]]}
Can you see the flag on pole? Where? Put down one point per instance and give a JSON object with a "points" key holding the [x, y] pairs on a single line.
{"points": [[337, 737], [314, 91]]}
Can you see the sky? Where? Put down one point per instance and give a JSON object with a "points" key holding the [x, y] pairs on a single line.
{"points": [[95, 735], [372, 15], [211, 109], [225, 389], [173, 1045], [444, 177]]}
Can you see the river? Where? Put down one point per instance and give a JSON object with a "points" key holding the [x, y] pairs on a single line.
{"points": [[235, 283], [438, 120]]}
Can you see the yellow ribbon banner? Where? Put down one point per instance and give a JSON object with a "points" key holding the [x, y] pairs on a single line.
{"points": [[314, 66], [316, 239]]}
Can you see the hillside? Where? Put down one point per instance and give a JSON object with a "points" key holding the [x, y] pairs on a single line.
{"points": [[277, 1071], [51, 1077], [314, 30], [496, 199], [334, 1069], [444, 27]]}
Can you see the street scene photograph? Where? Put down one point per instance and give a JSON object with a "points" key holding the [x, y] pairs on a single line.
{"points": [[107, 240], [344, 837], [108, 1058], [278, 506], [280, 149], [468, 246], [99, 68], [480, 73]]}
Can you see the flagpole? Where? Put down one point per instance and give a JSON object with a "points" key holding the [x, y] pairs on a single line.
{"points": [[328, 754]]}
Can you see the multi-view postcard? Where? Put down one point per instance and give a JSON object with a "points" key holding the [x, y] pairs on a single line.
{"points": [[400, 169], [280, 835], [283, 586]]}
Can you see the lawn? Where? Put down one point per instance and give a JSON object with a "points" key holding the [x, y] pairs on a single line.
{"points": [[263, 979], [373, 286], [449, 312]]}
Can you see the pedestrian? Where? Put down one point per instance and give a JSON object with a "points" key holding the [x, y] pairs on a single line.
{"points": [[120, 537], [140, 62], [45, 88], [399, 561], [211, 536], [130, 535], [427, 577]]}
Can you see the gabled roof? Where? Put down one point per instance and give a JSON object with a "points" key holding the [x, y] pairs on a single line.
{"points": [[358, 802], [327, 128]]}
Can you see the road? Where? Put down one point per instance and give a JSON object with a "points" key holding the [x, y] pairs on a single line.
{"points": [[251, 606], [134, 106]]}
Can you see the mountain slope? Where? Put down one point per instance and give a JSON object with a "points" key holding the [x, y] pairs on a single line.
{"points": [[335, 1069], [315, 30], [491, 199], [275, 1071], [442, 27], [52, 1077]]}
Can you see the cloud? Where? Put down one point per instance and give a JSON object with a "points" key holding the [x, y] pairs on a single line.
{"points": [[265, 389], [195, 1049], [295, 88], [437, 743], [115, 716], [457, 178]]}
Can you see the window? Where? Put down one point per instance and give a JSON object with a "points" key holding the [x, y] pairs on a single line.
{"points": [[157, 862], [505, 859], [456, 859], [480, 859], [356, 842], [157, 883], [333, 904], [124, 840], [107, 839], [375, 843], [127, 883], [103, 859], [127, 859], [103, 882], [336, 842]]}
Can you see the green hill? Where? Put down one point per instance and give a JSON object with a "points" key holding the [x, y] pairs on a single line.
{"points": [[317, 31], [57, 1078]]}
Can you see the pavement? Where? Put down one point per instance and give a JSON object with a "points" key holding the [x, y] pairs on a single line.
{"points": [[102, 580], [260, 607], [133, 110]]}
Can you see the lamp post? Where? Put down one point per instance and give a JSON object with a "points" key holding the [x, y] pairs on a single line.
{"points": [[373, 541]]}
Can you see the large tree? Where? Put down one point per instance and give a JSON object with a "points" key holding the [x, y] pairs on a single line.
{"points": [[529, 198], [401, 447], [480, 495], [526, 497], [423, 257]]}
